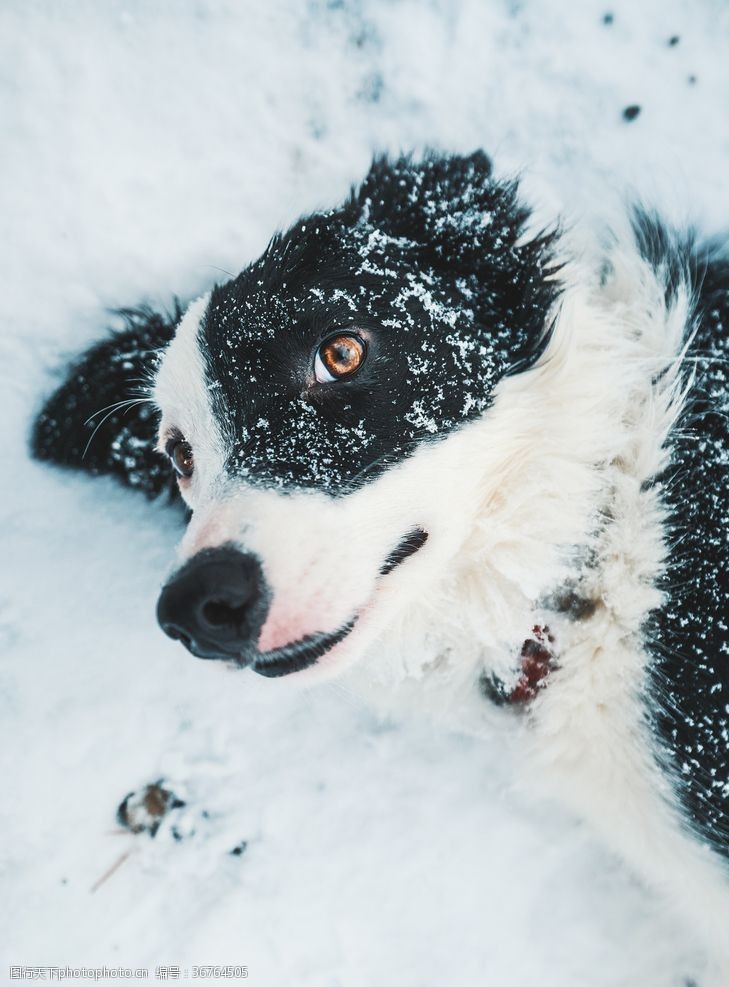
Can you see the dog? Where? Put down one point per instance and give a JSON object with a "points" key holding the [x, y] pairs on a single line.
{"points": [[472, 465]]}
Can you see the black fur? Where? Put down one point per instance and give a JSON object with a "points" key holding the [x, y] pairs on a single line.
{"points": [[427, 259], [689, 676], [77, 426]]}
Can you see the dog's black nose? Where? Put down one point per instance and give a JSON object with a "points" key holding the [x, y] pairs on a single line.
{"points": [[215, 604]]}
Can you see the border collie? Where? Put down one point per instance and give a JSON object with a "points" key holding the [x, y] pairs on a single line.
{"points": [[472, 465]]}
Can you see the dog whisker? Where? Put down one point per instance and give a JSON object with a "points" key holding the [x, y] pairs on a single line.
{"points": [[126, 405], [111, 408]]}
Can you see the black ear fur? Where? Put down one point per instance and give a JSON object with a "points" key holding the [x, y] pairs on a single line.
{"points": [[450, 204], [471, 227], [79, 426]]}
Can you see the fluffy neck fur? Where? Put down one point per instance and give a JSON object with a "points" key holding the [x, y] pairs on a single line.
{"points": [[562, 456]]}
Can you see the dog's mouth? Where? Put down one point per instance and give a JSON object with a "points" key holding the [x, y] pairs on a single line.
{"points": [[300, 654], [307, 651], [410, 544]]}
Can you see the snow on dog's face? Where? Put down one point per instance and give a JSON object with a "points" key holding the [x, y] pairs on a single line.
{"points": [[313, 406]]}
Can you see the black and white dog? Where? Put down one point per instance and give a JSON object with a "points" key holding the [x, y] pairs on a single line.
{"points": [[472, 465]]}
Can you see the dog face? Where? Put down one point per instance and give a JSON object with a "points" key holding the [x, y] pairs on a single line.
{"points": [[316, 410]]}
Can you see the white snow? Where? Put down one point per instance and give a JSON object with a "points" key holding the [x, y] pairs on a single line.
{"points": [[147, 150]]}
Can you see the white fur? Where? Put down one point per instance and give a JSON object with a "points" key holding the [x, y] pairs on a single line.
{"points": [[513, 503]]}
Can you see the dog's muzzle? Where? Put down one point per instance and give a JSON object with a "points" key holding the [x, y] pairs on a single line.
{"points": [[216, 604]]}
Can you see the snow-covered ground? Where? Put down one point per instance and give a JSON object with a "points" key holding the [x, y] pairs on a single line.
{"points": [[146, 148]]}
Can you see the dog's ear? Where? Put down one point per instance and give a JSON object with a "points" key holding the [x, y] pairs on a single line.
{"points": [[466, 227], [101, 419], [450, 205]]}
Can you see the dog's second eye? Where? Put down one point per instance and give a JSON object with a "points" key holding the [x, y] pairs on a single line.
{"points": [[338, 357], [180, 454]]}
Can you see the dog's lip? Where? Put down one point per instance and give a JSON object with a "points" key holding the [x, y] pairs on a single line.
{"points": [[411, 543], [301, 654], [298, 655]]}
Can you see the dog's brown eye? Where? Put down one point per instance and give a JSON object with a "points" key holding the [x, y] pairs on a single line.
{"points": [[338, 357], [181, 455]]}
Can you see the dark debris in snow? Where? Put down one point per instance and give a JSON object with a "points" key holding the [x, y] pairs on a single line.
{"points": [[143, 811]]}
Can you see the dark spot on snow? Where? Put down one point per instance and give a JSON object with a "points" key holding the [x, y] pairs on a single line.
{"points": [[372, 88], [631, 112], [142, 811], [673, 40], [317, 129], [691, 80], [364, 36], [608, 19], [239, 849]]}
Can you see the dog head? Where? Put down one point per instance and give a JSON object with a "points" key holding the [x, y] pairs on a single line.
{"points": [[317, 411]]}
